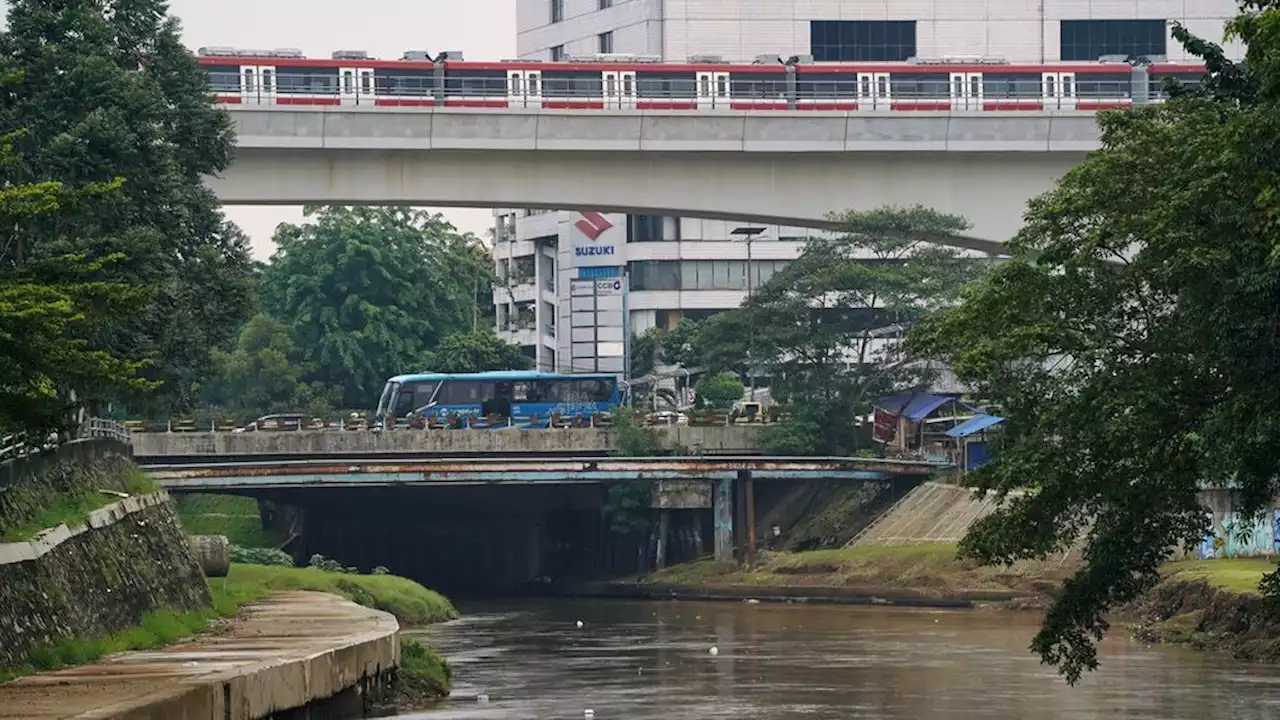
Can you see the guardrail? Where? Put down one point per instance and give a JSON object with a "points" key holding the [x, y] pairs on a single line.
{"points": [[19, 445], [700, 418]]}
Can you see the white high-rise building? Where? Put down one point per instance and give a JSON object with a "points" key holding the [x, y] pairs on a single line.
{"points": [[681, 267]]}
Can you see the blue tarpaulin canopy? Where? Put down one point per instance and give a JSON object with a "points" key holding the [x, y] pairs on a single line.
{"points": [[974, 424], [913, 406]]}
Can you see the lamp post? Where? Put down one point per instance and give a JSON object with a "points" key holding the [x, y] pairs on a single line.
{"points": [[748, 233]]}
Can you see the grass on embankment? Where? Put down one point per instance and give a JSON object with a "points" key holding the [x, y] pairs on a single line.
{"points": [[72, 508], [411, 603], [230, 515], [1211, 605], [927, 569]]}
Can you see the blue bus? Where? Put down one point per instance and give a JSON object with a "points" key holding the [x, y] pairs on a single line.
{"points": [[515, 397]]}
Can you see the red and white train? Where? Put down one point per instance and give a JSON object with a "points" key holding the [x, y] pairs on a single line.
{"points": [[285, 77]]}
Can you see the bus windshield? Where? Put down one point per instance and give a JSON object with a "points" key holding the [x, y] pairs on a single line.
{"points": [[384, 403]]}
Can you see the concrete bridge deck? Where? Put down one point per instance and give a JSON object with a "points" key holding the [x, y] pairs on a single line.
{"points": [[354, 473], [178, 447]]}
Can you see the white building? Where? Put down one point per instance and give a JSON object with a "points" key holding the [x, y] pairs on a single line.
{"points": [[681, 267]]}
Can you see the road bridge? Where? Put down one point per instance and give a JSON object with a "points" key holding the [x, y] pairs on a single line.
{"points": [[487, 510], [213, 447], [789, 169]]}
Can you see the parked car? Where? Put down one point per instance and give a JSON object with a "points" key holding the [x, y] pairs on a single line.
{"points": [[282, 421]]}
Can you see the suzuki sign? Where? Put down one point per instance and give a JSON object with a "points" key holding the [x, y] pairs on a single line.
{"points": [[596, 242]]}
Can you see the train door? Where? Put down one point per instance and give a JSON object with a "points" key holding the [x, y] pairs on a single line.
{"points": [[258, 84], [1059, 90], [873, 91], [356, 86], [713, 89], [620, 89], [524, 88], [966, 91]]}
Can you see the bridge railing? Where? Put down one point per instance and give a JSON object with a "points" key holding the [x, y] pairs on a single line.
{"points": [[742, 94], [20, 445], [696, 418]]}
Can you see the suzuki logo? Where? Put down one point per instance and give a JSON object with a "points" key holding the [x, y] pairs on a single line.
{"points": [[592, 225]]}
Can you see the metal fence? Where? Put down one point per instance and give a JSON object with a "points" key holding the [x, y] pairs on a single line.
{"points": [[20, 445]]}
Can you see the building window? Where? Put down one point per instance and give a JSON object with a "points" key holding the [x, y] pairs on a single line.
{"points": [[862, 40], [1091, 39], [557, 53], [557, 10], [606, 4], [651, 228], [605, 41]]}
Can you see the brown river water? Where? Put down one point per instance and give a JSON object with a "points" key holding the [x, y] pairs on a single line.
{"points": [[643, 660]]}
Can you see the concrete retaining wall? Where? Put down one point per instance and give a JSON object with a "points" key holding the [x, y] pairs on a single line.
{"points": [[149, 447], [293, 650], [1231, 534], [931, 513]]}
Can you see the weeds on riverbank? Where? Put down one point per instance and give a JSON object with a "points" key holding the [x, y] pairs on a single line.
{"points": [[409, 602], [159, 627], [46, 510]]}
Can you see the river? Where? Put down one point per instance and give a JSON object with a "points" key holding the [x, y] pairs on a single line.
{"points": [[643, 660]]}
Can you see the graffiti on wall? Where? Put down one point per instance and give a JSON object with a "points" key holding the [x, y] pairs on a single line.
{"points": [[1234, 536]]}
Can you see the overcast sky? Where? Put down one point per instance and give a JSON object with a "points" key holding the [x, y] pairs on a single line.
{"points": [[483, 29]]}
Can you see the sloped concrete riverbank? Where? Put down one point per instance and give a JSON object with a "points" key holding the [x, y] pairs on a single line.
{"points": [[292, 650]]}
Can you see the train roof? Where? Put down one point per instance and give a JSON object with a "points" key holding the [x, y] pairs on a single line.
{"points": [[508, 375], [679, 67]]}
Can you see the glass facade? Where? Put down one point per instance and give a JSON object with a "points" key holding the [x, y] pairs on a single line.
{"points": [[862, 40], [701, 274], [1089, 40]]}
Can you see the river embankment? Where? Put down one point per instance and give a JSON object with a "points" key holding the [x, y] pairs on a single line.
{"points": [[920, 575]]}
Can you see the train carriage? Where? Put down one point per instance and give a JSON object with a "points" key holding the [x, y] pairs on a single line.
{"points": [[284, 77]]}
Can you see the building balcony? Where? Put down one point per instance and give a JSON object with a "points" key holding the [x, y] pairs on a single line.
{"points": [[529, 227]]}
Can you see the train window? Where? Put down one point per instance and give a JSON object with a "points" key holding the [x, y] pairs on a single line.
{"points": [[628, 85], [515, 84], [610, 85], [366, 82], [348, 82], [267, 77], [722, 85], [250, 80], [704, 86], [533, 82]]}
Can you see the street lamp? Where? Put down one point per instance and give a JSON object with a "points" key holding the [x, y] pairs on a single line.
{"points": [[748, 233]]}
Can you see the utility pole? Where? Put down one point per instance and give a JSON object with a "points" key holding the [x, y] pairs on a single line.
{"points": [[749, 233]]}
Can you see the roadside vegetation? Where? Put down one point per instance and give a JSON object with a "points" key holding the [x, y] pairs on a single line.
{"points": [[234, 516], [36, 507]]}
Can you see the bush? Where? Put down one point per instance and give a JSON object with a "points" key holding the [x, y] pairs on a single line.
{"points": [[320, 562], [720, 390], [260, 556]]}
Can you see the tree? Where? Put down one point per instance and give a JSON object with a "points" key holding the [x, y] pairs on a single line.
{"points": [[70, 76], [720, 390], [1131, 340], [53, 313], [264, 373], [477, 350], [814, 327], [682, 344], [366, 291]]}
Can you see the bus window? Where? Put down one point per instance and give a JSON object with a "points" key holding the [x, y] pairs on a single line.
{"points": [[384, 403], [465, 392], [404, 401], [521, 392]]}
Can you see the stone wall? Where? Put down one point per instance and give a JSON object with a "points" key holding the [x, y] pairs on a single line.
{"points": [[100, 577]]}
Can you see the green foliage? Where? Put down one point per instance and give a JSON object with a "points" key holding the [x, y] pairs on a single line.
{"points": [[265, 373], [644, 351], [477, 350], [320, 562], [634, 439], [71, 507], [260, 556], [232, 516], [626, 506], [423, 673], [408, 601], [1130, 341], [157, 628], [813, 326], [802, 435], [367, 290], [69, 76], [720, 390]]}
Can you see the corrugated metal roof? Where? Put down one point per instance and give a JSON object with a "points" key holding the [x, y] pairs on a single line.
{"points": [[912, 406], [974, 424]]}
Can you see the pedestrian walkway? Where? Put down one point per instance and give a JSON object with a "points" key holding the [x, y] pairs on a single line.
{"points": [[287, 651]]}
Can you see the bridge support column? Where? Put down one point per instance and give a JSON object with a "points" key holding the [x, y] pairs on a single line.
{"points": [[664, 527], [749, 492], [722, 510]]}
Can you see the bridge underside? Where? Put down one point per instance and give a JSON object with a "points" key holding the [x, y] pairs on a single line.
{"points": [[801, 189]]}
